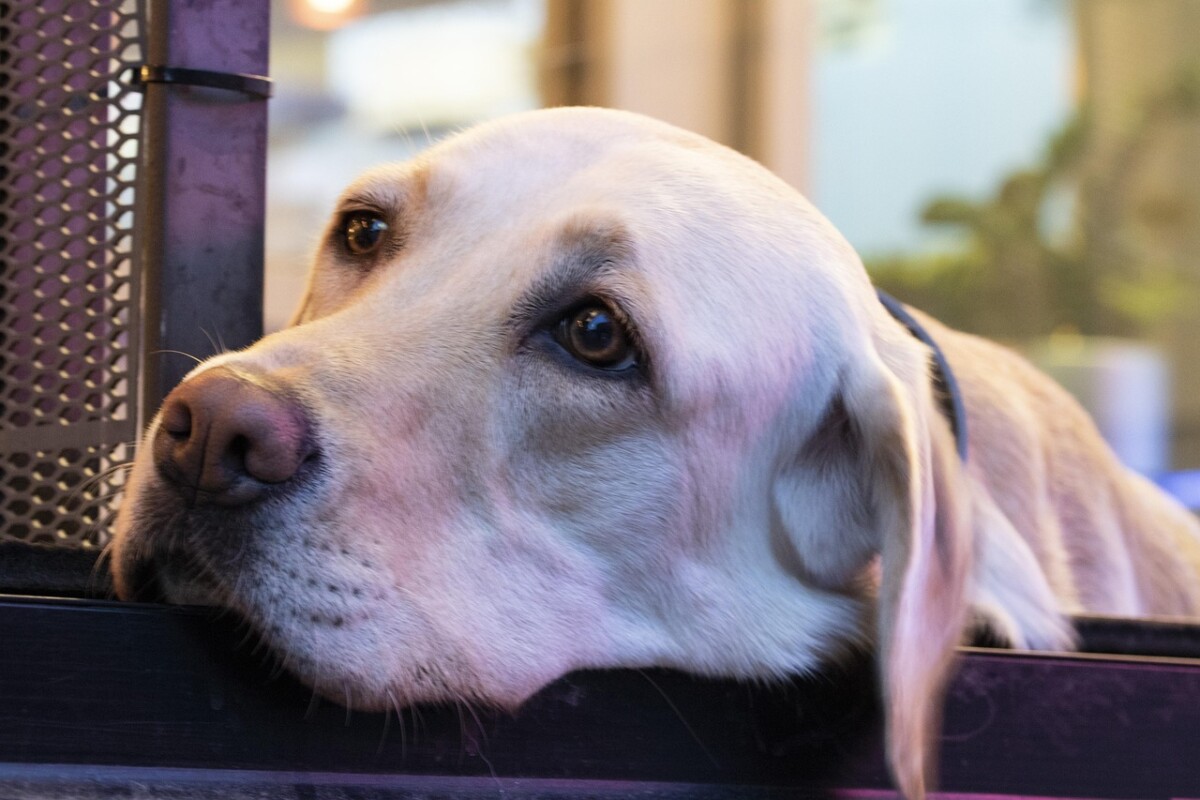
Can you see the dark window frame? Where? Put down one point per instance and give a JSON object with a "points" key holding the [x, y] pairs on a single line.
{"points": [[102, 694]]}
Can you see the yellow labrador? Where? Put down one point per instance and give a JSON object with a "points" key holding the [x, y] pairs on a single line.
{"points": [[580, 389]]}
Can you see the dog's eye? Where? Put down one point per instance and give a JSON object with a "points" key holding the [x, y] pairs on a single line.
{"points": [[594, 334], [363, 231]]}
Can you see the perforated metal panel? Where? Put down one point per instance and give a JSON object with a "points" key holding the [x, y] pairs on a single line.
{"points": [[69, 285]]}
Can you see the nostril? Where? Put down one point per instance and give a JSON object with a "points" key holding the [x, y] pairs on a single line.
{"points": [[237, 449], [177, 419]]}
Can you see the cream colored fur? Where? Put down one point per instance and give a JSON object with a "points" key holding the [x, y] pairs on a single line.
{"points": [[778, 487]]}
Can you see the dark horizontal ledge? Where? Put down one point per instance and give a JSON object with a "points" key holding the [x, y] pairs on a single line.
{"points": [[171, 695], [105, 783]]}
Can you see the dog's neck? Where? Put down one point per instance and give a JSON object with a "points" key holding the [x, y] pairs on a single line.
{"points": [[945, 386]]}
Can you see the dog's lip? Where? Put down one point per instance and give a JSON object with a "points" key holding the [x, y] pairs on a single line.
{"points": [[143, 584], [160, 577], [167, 566]]}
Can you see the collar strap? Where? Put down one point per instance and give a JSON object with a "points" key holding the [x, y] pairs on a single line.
{"points": [[945, 387]]}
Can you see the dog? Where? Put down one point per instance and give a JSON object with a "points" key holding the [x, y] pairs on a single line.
{"points": [[579, 389]]}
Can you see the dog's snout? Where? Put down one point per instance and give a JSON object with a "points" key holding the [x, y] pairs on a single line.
{"points": [[225, 437]]}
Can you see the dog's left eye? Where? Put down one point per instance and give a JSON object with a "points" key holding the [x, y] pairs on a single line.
{"points": [[595, 335], [363, 232]]}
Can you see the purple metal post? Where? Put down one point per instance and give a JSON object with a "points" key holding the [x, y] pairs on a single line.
{"points": [[204, 199]]}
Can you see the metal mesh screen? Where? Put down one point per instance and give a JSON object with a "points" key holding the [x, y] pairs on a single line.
{"points": [[69, 137]]}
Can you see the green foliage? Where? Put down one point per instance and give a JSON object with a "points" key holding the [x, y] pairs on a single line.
{"points": [[1067, 243]]}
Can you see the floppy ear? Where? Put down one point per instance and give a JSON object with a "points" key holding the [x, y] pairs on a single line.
{"points": [[881, 475], [921, 514]]}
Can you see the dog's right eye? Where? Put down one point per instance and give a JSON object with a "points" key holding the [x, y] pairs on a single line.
{"points": [[363, 232]]}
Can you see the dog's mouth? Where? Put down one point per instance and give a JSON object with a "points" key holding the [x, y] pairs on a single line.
{"points": [[143, 583], [181, 542], [173, 576], [270, 640]]}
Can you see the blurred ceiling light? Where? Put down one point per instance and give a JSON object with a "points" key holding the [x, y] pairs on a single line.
{"points": [[330, 6], [324, 15], [439, 65]]}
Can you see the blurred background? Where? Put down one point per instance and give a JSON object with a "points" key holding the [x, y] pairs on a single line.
{"points": [[1025, 169]]}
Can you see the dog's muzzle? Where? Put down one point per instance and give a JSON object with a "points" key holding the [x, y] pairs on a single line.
{"points": [[227, 441]]}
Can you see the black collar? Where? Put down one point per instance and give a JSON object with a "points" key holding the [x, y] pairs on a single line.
{"points": [[945, 387]]}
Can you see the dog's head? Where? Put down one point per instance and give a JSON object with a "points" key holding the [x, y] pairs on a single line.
{"points": [[574, 389]]}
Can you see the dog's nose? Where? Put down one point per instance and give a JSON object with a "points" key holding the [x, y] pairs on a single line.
{"points": [[225, 437]]}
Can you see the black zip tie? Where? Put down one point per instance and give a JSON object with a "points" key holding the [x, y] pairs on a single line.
{"points": [[253, 85]]}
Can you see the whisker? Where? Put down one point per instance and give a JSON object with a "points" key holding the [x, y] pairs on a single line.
{"points": [[400, 720], [691, 732], [492, 772], [197, 359], [97, 494], [276, 665], [313, 703], [478, 723], [250, 637], [110, 470], [405, 133], [91, 483], [387, 724], [462, 731], [215, 341], [98, 565], [418, 720]]}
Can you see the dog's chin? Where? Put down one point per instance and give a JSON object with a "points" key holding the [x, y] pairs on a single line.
{"points": [[182, 587], [163, 576], [377, 683], [346, 656], [349, 691], [329, 615]]}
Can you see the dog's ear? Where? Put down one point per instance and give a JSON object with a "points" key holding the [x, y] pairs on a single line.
{"points": [[922, 518], [881, 475]]}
